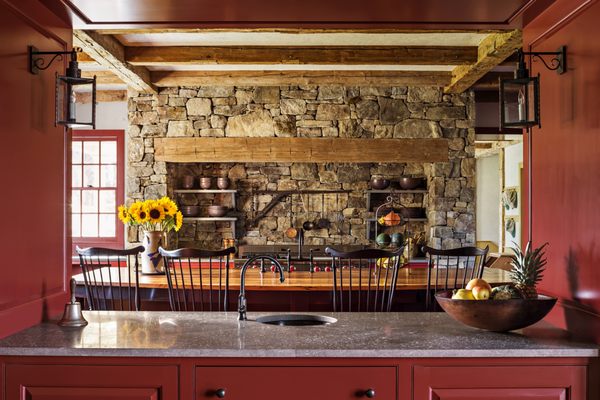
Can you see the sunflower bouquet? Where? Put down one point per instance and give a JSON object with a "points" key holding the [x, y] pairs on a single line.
{"points": [[152, 215]]}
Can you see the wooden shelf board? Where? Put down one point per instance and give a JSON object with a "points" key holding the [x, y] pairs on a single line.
{"points": [[210, 218], [205, 191]]}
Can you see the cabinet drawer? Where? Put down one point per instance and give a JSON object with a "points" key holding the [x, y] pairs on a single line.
{"points": [[296, 383], [93, 382], [499, 382]]}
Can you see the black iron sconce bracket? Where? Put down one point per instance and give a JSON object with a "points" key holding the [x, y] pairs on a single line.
{"points": [[557, 63], [37, 60]]}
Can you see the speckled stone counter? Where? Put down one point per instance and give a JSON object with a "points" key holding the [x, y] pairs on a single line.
{"points": [[398, 335]]}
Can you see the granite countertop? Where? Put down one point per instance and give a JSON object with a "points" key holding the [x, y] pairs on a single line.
{"points": [[178, 334]]}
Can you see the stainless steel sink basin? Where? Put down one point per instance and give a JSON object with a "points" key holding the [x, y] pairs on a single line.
{"points": [[296, 320]]}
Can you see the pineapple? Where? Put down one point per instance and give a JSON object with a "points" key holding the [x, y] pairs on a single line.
{"points": [[527, 269]]}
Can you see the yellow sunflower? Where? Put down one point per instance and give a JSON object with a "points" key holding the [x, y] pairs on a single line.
{"points": [[169, 207], [178, 221], [124, 215], [139, 212], [156, 212]]}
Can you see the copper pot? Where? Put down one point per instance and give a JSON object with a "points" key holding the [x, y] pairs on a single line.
{"points": [[187, 181], [223, 182], [205, 182]]}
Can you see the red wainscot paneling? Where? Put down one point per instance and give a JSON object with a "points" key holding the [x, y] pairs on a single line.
{"points": [[566, 163], [33, 159]]}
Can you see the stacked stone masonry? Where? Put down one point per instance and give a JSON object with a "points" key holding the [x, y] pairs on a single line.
{"points": [[307, 111]]}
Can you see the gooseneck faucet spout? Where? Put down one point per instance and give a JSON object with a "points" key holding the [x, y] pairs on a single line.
{"points": [[242, 297]]}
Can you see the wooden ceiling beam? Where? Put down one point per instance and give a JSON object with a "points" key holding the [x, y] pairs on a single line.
{"points": [[291, 30], [102, 96], [103, 77], [329, 55], [492, 50], [109, 52], [279, 78], [267, 149]]}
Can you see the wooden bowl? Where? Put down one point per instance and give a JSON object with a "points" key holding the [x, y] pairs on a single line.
{"points": [[379, 183], [496, 315], [217, 211], [407, 183], [190, 211]]}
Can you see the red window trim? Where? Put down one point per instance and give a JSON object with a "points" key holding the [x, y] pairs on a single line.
{"points": [[119, 135]]}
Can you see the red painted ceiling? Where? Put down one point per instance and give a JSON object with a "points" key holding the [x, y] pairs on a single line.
{"points": [[426, 14]]}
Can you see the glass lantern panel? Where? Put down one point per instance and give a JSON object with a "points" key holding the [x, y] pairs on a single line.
{"points": [[519, 103]]}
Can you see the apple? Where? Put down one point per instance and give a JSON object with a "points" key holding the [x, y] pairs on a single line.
{"points": [[478, 282], [481, 292], [463, 294]]}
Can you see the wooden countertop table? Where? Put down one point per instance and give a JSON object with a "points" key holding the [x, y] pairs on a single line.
{"points": [[408, 279]]}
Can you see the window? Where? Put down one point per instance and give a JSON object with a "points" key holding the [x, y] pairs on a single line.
{"points": [[97, 180]]}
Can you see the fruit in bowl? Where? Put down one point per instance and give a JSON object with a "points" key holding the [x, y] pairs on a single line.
{"points": [[507, 307]]}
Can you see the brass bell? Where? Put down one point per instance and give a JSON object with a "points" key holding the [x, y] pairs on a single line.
{"points": [[72, 317]]}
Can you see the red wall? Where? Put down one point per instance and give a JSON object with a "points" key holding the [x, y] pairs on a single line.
{"points": [[566, 163], [33, 238]]}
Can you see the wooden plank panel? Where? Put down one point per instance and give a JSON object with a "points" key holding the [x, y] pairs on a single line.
{"points": [[388, 55], [276, 78], [300, 150]]}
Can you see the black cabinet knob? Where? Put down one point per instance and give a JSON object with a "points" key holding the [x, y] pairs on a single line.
{"points": [[220, 393], [370, 393]]}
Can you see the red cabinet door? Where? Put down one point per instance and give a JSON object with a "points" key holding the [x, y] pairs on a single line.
{"points": [[499, 383], [296, 383], [91, 382]]}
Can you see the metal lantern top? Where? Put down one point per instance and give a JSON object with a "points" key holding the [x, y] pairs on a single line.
{"points": [[520, 96]]}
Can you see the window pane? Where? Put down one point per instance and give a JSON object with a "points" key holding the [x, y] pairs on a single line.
{"points": [[76, 225], [108, 152], [91, 152], [109, 175], [89, 201], [91, 176], [107, 201], [89, 225], [107, 225], [76, 152], [76, 201], [76, 176]]}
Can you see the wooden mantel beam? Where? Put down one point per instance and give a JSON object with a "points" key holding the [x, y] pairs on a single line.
{"points": [[320, 150], [278, 78], [109, 52], [331, 55], [492, 50]]}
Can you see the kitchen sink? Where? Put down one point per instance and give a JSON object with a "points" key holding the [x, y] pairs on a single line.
{"points": [[296, 320]]}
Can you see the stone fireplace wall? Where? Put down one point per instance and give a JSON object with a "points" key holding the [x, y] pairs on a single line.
{"points": [[308, 111]]}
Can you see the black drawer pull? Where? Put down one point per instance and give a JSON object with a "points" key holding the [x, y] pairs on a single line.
{"points": [[370, 393], [220, 393]]}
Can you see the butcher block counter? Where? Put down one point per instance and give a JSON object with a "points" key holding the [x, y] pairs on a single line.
{"points": [[168, 355]]}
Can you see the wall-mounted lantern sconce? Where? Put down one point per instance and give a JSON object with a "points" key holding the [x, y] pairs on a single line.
{"points": [[66, 87], [520, 97]]}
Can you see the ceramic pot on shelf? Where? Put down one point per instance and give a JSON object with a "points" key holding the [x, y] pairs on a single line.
{"points": [[152, 262]]}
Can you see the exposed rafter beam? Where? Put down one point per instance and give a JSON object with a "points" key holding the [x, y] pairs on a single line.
{"points": [[492, 50], [102, 96], [109, 52], [103, 77], [277, 78], [352, 55]]}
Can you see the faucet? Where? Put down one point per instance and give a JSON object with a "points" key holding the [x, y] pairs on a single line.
{"points": [[300, 242], [242, 297]]}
